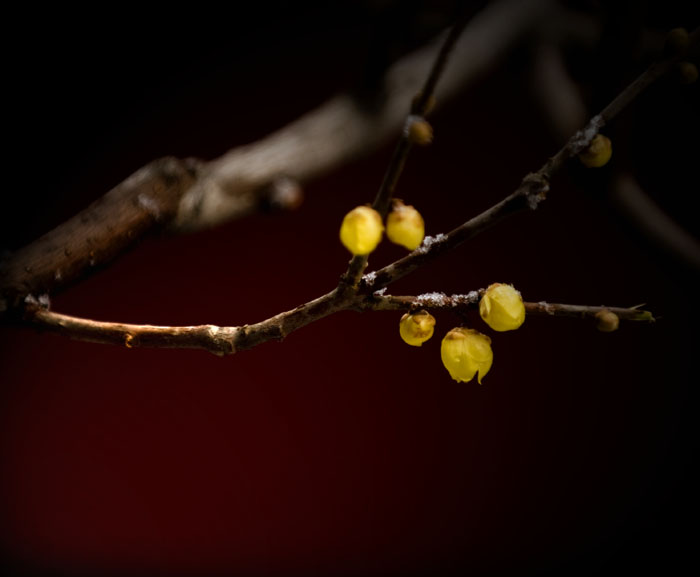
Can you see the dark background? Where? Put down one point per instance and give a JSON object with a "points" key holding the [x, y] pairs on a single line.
{"points": [[342, 451]]}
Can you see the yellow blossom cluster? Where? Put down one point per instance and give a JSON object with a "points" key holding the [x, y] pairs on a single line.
{"points": [[466, 352]]}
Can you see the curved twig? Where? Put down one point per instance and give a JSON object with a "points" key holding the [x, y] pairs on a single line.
{"points": [[228, 340], [534, 187]]}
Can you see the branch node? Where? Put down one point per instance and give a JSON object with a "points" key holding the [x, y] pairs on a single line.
{"points": [[42, 302], [417, 130], [535, 187]]}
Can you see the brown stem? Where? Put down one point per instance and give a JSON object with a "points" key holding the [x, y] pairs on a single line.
{"points": [[218, 340], [463, 302], [228, 340], [532, 190], [381, 203]]}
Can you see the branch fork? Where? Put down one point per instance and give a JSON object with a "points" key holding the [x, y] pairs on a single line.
{"points": [[158, 192]]}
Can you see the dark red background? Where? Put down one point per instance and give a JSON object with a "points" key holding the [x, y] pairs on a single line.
{"points": [[341, 451]]}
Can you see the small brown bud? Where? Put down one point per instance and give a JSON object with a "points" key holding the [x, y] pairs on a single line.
{"points": [[686, 72], [677, 41], [607, 321], [419, 131]]}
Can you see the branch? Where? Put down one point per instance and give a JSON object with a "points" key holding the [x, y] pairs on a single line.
{"points": [[218, 340], [464, 302], [187, 195], [228, 340], [562, 103], [534, 187], [421, 104]]}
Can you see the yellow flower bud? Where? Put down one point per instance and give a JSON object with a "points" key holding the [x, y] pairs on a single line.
{"points": [[466, 352], [420, 132], [361, 230], [416, 328], [598, 152], [502, 307], [607, 321], [405, 226]]}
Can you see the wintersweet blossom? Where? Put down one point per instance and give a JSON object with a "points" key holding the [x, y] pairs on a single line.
{"points": [[598, 152], [502, 307], [361, 230], [466, 352], [405, 226], [416, 328]]}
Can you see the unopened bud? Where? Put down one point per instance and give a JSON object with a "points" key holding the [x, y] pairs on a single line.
{"points": [[598, 152], [502, 307], [405, 226], [419, 131], [416, 328], [361, 230], [607, 321], [466, 353]]}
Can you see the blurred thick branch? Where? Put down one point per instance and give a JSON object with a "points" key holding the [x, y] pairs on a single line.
{"points": [[187, 195]]}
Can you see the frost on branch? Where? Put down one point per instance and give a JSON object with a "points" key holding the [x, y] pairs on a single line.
{"points": [[583, 137], [430, 241]]}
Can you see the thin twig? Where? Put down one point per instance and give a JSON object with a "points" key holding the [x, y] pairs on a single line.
{"points": [[223, 341], [532, 190], [403, 147], [463, 302], [421, 103]]}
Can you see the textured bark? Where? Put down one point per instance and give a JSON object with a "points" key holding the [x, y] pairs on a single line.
{"points": [[145, 201]]}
